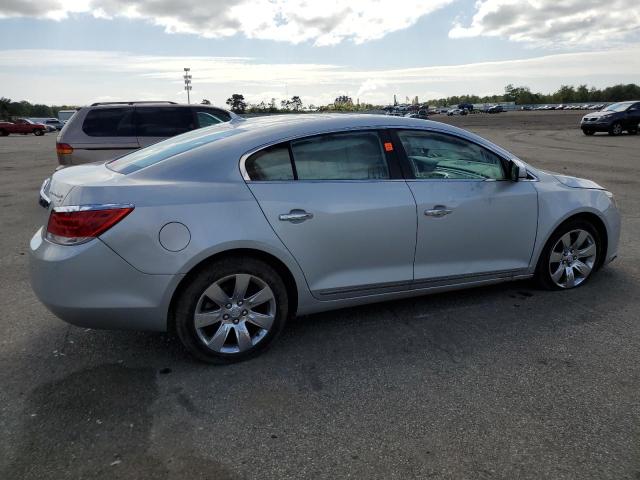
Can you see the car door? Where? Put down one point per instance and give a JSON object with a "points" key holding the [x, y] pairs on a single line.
{"points": [[338, 203], [22, 126], [472, 221], [157, 123], [633, 116]]}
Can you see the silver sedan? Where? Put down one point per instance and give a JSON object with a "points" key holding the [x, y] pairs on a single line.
{"points": [[224, 233]]}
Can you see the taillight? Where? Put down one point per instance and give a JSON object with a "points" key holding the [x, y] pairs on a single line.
{"points": [[64, 149], [79, 224]]}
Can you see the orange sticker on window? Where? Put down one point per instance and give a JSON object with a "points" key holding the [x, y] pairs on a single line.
{"points": [[388, 147]]}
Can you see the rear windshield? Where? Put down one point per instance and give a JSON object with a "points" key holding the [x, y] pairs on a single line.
{"points": [[168, 148]]}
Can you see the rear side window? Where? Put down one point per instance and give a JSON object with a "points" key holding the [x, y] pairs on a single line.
{"points": [[273, 163], [163, 121], [205, 119], [109, 122], [340, 156]]}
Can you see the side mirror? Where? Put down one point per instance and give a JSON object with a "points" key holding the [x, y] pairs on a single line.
{"points": [[516, 172]]}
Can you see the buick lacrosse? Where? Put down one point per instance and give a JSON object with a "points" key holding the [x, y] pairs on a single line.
{"points": [[223, 233]]}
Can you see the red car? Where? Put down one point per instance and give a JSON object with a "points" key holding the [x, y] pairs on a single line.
{"points": [[22, 126]]}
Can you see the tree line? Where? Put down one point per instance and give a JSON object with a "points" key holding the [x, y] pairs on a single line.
{"points": [[9, 108]]}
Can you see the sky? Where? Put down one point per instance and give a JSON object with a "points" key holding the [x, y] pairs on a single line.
{"points": [[82, 51]]}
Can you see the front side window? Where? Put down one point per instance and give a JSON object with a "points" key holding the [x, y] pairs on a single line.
{"points": [[270, 164], [438, 156], [340, 156], [163, 121], [109, 122]]}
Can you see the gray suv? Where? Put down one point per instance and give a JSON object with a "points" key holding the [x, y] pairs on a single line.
{"points": [[104, 131]]}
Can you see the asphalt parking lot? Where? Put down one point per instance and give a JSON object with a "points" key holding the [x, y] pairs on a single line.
{"points": [[502, 382]]}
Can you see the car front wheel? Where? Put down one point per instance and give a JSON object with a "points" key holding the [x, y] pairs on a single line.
{"points": [[616, 129], [588, 132], [569, 257], [231, 310], [38, 132]]}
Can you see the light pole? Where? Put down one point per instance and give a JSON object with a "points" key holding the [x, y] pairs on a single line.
{"points": [[187, 83]]}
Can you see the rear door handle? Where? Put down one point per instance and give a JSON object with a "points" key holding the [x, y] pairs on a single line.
{"points": [[438, 211], [295, 216]]}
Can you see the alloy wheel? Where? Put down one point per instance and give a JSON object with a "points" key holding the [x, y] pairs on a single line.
{"points": [[572, 258], [235, 313], [617, 128]]}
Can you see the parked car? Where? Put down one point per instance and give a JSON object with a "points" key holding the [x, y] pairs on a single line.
{"points": [[65, 115], [456, 111], [613, 119], [466, 106], [420, 114], [22, 126], [222, 234], [54, 122], [51, 123], [526, 107], [105, 131], [495, 109]]}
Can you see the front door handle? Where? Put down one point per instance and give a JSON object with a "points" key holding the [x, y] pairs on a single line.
{"points": [[438, 211], [295, 216]]}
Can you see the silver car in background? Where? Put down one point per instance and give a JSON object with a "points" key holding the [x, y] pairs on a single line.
{"points": [[224, 233], [107, 130]]}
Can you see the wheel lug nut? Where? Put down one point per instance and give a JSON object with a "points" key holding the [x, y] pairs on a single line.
{"points": [[235, 321], [240, 302], [244, 312], [225, 317], [228, 305]]}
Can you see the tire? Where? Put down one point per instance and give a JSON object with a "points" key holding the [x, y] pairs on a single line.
{"points": [[206, 341], [4, 133], [38, 132], [616, 129], [588, 132], [633, 131], [585, 245]]}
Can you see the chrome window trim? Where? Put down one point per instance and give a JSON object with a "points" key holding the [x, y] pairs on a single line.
{"points": [[495, 149], [91, 207]]}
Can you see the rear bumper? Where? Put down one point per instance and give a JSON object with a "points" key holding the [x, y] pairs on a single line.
{"points": [[89, 285]]}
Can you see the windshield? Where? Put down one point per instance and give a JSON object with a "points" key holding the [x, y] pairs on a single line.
{"points": [[617, 107]]}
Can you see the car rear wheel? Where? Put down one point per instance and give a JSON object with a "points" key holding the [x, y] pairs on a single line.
{"points": [[588, 132], [38, 132], [633, 131], [569, 257], [231, 310], [616, 129]]}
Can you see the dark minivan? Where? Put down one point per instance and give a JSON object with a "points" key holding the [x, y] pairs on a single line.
{"points": [[104, 131]]}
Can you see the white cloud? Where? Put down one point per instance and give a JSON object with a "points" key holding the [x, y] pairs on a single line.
{"points": [[554, 23], [86, 76], [323, 22]]}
